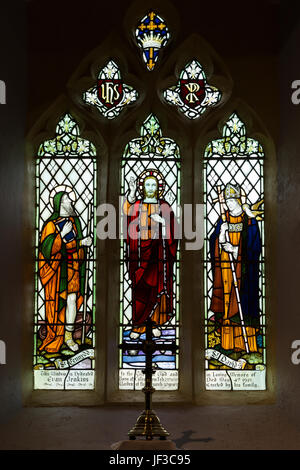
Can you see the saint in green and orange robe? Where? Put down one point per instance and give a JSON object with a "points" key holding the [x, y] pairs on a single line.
{"points": [[62, 272]]}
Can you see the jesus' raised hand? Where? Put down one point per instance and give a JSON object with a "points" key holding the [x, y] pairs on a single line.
{"points": [[132, 186]]}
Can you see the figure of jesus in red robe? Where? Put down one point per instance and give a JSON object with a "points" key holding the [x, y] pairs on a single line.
{"points": [[151, 253]]}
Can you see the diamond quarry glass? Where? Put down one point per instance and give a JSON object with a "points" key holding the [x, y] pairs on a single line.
{"points": [[65, 251], [234, 256], [149, 270]]}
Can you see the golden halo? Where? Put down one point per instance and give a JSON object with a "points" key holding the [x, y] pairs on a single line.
{"points": [[155, 174], [63, 187]]}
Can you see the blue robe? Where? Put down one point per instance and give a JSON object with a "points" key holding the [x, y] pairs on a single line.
{"points": [[248, 281]]}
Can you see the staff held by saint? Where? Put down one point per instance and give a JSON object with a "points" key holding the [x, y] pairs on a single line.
{"points": [[62, 271], [235, 249]]}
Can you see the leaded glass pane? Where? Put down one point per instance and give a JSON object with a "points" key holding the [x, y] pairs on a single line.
{"points": [[152, 34], [234, 261], [110, 95], [192, 95], [150, 192], [64, 322]]}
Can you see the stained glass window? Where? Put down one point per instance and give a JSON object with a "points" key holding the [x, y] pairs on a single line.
{"points": [[152, 34], [64, 320], [234, 261], [110, 95], [192, 95], [150, 261]]}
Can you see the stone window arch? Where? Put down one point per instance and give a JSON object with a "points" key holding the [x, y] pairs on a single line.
{"points": [[110, 138]]}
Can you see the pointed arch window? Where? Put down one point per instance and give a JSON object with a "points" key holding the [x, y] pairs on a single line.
{"points": [[234, 261], [150, 279], [150, 260], [64, 321]]}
